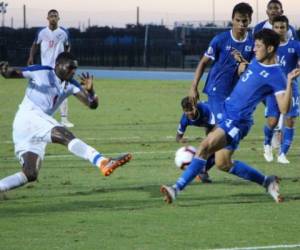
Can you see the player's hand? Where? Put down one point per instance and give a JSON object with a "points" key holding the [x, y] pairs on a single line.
{"points": [[194, 93], [242, 67], [30, 61], [237, 55], [86, 81], [294, 74]]}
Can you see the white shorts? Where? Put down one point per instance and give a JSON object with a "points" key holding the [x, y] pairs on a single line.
{"points": [[32, 131]]}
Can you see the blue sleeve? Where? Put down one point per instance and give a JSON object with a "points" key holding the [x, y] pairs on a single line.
{"points": [[294, 32], [76, 83], [278, 81], [182, 124], [297, 47], [212, 50]]}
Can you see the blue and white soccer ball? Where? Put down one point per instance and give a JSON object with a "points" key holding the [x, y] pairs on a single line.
{"points": [[184, 156]]}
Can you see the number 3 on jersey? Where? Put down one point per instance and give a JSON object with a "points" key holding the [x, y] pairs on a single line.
{"points": [[246, 76]]}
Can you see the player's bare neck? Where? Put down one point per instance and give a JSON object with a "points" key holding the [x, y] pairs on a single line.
{"points": [[269, 60], [240, 36], [52, 27]]}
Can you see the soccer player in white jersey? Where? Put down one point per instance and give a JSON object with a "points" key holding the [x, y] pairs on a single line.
{"points": [[34, 127], [52, 41]]}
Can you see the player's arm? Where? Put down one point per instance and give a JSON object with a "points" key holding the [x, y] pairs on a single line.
{"points": [[284, 99], [87, 94], [180, 138], [203, 63], [32, 53], [10, 72]]}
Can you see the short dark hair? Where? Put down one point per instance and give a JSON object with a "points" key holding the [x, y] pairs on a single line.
{"points": [[268, 37], [275, 2], [52, 10], [187, 103], [64, 57], [242, 8], [283, 19]]}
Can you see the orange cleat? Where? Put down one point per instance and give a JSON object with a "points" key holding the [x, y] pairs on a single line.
{"points": [[109, 165]]}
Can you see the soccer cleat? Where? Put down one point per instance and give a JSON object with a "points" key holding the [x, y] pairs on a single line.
{"points": [[204, 178], [66, 123], [109, 165], [169, 193], [272, 187], [268, 154], [282, 159]]}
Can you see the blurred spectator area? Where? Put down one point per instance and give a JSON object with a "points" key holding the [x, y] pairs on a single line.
{"points": [[154, 46]]}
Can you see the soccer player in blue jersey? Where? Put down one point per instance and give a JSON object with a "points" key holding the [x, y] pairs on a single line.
{"points": [[34, 126], [275, 9], [222, 76], [262, 78], [197, 115], [288, 55]]}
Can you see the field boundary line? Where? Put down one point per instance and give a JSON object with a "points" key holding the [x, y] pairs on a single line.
{"points": [[260, 247]]}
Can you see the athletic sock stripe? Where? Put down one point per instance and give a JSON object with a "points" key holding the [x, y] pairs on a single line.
{"points": [[96, 158]]}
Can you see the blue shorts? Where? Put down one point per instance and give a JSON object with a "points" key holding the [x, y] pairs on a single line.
{"points": [[216, 106], [272, 109], [235, 131]]}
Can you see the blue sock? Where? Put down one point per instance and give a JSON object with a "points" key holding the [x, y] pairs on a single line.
{"points": [[288, 136], [197, 165], [246, 172], [210, 163], [268, 135]]}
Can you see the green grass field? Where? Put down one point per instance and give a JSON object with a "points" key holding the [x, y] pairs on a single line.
{"points": [[73, 206]]}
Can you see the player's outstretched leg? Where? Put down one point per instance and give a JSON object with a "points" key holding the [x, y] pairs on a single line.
{"points": [[106, 165], [109, 165], [170, 192], [246, 172]]}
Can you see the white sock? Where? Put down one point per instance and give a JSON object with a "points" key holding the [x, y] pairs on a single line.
{"points": [[13, 181], [64, 109], [82, 150]]}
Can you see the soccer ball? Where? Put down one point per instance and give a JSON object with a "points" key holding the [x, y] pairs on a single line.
{"points": [[184, 156]]}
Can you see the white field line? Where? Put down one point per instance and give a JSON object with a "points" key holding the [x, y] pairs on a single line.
{"points": [[159, 152], [138, 138], [260, 247]]}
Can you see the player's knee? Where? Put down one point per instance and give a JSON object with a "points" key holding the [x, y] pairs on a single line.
{"points": [[223, 164], [290, 122], [272, 122], [31, 164], [61, 135], [31, 174]]}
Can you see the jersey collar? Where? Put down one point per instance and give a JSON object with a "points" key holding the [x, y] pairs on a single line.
{"points": [[238, 41]]}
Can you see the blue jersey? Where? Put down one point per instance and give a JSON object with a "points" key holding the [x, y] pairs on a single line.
{"points": [[257, 82], [292, 34], [288, 55], [205, 119], [222, 76]]}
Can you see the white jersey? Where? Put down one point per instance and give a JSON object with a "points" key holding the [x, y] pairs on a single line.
{"points": [[52, 43], [45, 90], [291, 33]]}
